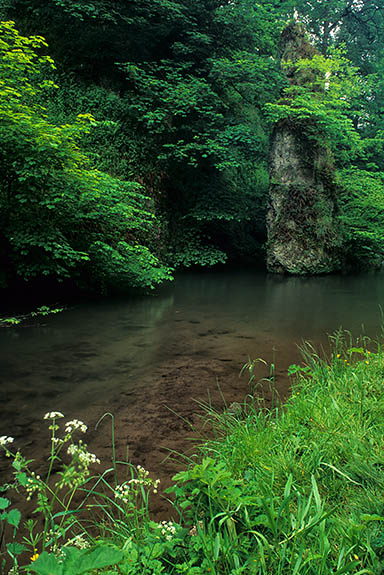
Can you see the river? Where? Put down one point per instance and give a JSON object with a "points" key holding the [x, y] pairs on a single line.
{"points": [[150, 360]]}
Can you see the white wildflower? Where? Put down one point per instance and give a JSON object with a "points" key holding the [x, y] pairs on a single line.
{"points": [[72, 449], [57, 440], [53, 415], [167, 529], [85, 457], [143, 479], [143, 472], [75, 424], [122, 492], [78, 541], [4, 440]]}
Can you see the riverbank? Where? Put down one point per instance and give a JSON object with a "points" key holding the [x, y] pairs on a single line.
{"points": [[296, 489]]}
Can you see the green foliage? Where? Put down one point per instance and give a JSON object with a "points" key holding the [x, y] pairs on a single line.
{"points": [[12, 516], [60, 217], [199, 110], [362, 214], [39, 312], [330, 22], [76, 561], [178, 97], [190, 250], [320, 104], [293, 489], [273, 493], [178, 103]]}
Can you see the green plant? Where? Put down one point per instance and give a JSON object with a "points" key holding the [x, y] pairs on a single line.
{"points": [[85, 522], [41, 311], [59, 217], [320, 103], [53, 496], [74, 561], [290, 489]]}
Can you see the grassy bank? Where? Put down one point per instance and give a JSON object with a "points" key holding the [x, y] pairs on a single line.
{"points": [[292, 490]]}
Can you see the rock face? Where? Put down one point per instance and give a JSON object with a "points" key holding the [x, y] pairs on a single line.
{"points": [[303, 234]]}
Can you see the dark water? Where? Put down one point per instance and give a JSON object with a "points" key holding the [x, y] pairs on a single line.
{"points": [[148, 358]]}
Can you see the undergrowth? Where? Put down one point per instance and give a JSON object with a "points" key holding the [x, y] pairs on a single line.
{"points": [[293, 489]]}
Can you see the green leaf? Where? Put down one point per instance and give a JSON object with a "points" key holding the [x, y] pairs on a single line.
{"points": [[47, 564], [22, 478], [16, 464], [14, 517], [98, 558], [217, 547], [356, 350], [76, 561], [4, 503], [15, 548], [374, 517]]}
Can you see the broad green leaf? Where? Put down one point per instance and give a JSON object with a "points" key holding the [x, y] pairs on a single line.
{"points": [[14, 517], [47, 564], [97, 559], [76, 561], [4, 503], [22, 478], [16, 548]]}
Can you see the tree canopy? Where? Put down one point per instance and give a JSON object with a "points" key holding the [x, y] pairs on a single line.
{"points": [[153, 151], [59, 216]]}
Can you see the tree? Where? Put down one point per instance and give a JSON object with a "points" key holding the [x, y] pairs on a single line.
{"points": [[330, 22], [59, 217], [321, 103], [189, 81]]}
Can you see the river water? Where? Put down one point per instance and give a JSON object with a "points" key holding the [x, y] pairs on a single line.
{"points": [[150, 360]]}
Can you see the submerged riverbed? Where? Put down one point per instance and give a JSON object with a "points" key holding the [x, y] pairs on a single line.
{"points": [[149, 360]]}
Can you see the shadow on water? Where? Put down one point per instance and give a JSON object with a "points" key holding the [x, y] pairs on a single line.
{"points": [[147, 358]]}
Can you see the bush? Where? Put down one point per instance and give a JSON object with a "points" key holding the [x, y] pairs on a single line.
{"points": [[60, 218]]}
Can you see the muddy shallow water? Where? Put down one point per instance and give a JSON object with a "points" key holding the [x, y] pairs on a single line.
{"points": [[150, 360]]}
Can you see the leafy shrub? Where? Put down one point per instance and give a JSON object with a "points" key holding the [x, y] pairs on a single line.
{"points": [[362, 215], [58, 216]]}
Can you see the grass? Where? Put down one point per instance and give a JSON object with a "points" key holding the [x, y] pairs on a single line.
{"points": [[296, 489]]}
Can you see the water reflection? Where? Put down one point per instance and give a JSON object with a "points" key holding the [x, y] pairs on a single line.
{"points": [[86, 357]]}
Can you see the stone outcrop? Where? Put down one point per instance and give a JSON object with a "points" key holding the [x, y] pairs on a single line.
{"points": [[303, 234]]}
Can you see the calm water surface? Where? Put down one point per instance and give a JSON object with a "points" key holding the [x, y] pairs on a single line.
{"points": [[144, 359]]}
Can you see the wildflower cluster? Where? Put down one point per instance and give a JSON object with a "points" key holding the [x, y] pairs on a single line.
{"points": [[33, 483], [52, 539], [144, 479], [4, 440], [53, 415], [78, 541], [122, 492], [168, 529], [130, 490], [75, 424], [80, 453]]}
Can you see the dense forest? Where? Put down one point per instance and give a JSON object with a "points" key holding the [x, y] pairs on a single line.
{"points": [[135, 136]]}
